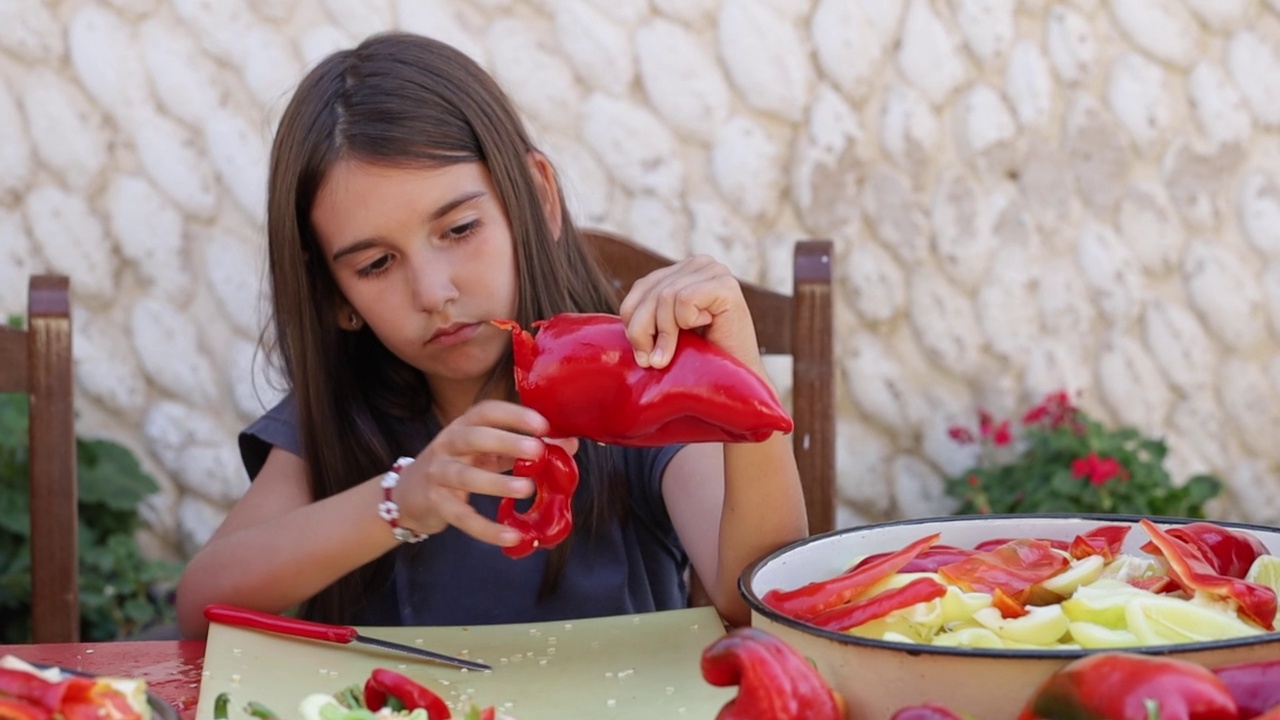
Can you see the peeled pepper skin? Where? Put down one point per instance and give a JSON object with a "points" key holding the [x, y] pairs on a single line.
{"points": [[1255, 687], [580, 373], [775, 682], [1129, 686]]}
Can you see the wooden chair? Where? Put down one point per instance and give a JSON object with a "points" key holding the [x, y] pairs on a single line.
{"points": [[799, 325], [37, 361]]}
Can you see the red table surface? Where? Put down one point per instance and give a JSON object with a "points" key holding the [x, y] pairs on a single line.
{"points": [[172, 668]]}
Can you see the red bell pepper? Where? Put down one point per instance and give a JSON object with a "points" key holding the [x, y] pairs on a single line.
{"points": [[1229, 552], [860, 612], [1104, 540], [809, 600], [774, 681], [580, 373], [1192, 571], [1128, 686], [15, 709], [928, 560], [1254, 685], [1013, 567], [384, 684], [993, 543], [550, 519], [1009, 607]]}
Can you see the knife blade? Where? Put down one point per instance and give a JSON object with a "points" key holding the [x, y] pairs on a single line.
{"points": [[341, 634]]}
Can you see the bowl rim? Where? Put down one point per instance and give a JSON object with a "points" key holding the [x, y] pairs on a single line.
{"points": [[756, 604]]}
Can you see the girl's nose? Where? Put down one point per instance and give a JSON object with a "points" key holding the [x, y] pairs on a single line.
{"points": [[433, 286]]}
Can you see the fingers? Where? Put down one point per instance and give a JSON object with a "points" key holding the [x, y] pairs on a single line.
{"points": [[687, 295]]}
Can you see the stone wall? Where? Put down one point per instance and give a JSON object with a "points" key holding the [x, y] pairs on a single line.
{"points": [[1025, 195]]}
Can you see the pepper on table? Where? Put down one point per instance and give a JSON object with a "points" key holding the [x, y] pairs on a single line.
{"points": [[775, 682], [1254, 685], [384, 684], [1129, 686]]}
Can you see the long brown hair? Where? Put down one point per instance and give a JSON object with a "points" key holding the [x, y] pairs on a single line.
{"points": [[407, 101]]}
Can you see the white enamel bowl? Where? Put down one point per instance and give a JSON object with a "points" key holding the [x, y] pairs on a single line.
{"points": [[877, 678]]}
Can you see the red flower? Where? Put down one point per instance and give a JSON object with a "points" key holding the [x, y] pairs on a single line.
{"points": [[1099, 470], [1055, 410], [960, 434], [1001, 436]]}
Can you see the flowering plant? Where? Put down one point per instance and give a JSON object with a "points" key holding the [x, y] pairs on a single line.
{"points": [[1061, 460]]}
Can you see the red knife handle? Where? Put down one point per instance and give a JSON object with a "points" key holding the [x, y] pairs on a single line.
{"points": [[232, 615]]}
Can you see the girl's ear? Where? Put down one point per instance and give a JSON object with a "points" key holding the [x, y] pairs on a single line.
{"points": [[544, 177]]}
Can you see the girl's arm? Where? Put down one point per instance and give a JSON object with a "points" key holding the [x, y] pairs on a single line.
{"points": [[729, 504], [757, 509], [277, 548]]}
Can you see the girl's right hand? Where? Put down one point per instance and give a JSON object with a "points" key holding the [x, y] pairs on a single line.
{"points": [[468, 456]]}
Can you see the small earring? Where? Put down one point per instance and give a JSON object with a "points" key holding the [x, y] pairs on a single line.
{"points": [[355, 320]]}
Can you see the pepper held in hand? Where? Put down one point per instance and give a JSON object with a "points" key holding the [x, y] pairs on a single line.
{"points": [[580, 373], [550, 520]]}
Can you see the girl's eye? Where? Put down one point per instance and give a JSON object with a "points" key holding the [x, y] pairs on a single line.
{"points": [[463, 231], [377, 267]]}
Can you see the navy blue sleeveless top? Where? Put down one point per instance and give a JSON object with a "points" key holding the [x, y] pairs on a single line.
{"points": [[633, 566]]}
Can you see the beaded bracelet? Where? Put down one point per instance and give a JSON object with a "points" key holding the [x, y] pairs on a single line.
{"points": [[388, 509]]}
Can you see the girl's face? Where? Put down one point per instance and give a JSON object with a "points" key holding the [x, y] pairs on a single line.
{"points": [[425, 257]]}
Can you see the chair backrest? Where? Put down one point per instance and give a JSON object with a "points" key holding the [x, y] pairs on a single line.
{"points": [[37, 361], [799, 325]]}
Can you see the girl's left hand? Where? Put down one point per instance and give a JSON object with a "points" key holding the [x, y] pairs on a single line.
{"points": [[697, 292]]}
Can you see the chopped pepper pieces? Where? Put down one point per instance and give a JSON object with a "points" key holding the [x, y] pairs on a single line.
{"points": [[1128, 686], [1229, 552], [1012, 567], [550, 519], [384, 684], [1193, 572], [774, 681], [1104, 540], [863, 611], [580, 373], [808, 601], [15, 709]]}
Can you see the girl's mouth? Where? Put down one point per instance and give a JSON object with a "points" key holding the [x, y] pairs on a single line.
{"points": [[453, 334]]}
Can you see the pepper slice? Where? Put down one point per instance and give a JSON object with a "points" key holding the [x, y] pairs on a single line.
{"points": [[1128, 686], [1105, 540], [809, 600], [1192, 571], [1254, 685], [580, 373], [1229, 552], [1013, 568], [928, 560], [550, 519], [863, 611], [927, 711], [774, 681], [15, 709], [383, 684]]}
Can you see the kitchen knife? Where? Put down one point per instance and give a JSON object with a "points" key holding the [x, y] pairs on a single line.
{"points": [[342, 634]]}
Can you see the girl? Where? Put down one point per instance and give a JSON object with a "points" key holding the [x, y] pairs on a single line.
{"points": [[407, 208]]}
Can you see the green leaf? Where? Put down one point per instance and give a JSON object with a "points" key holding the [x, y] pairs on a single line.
{"points": [[111, 476]]}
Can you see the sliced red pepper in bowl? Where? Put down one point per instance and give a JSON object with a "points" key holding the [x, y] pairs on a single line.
{"points": [[1193, 572], [1229, 552], [1104, 540], [580, 373], [1012, 567], [550, 519], [859, 612], [812, 599]]}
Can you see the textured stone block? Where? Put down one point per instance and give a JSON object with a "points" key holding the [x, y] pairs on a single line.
{"points": [[767, 59], [682, 79]]}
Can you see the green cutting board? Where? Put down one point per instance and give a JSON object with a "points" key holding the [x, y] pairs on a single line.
{"points": [[628, 667]]}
